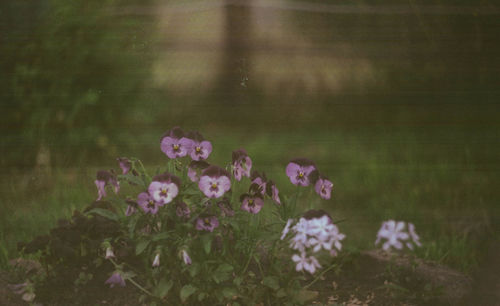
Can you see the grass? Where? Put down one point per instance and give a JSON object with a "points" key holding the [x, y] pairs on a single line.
{"points": [[437, 180]]}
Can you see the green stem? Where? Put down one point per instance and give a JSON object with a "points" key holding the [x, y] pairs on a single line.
{"points": [[140, 287], [319, 276]]}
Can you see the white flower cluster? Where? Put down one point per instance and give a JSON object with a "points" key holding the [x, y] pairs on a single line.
{"points": [[312, 235], [395, 235]]}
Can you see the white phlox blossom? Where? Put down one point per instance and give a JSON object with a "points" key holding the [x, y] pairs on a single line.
{"points": [[306, 263], [311, 236], [395, 235]]}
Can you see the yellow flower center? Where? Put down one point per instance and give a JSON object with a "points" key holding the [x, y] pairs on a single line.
{"points": [[198, 149], [250, 202], [164, 192], [207, 221], [214, 185], [301, 174], [176, 147]]}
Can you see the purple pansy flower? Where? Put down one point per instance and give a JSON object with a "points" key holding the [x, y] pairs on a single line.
{"points": [[182, 210], [174, 144], [195, 168], [116, 279], [131, 207], [214, 182], [260, 180], [125, 164], [242, 164], [105, 178], [147, 203], [323, 187], [225, 208], [164, 188], [207, 223], [252, 203], [200, 148], [299, 170], [273, 192]]}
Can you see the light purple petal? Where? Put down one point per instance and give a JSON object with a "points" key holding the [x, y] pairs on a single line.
{"points": [[101, 191]]}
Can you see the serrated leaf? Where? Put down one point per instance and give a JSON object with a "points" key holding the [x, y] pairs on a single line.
{"points": [[141, 246], [163, 288], [271, 282], [186, 292], [104, 213], [206, 240], [238, 280], [226, 268]]}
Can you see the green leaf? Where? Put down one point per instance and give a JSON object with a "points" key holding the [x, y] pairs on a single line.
{"points": [[271, 282], [201, 296], [229, 292], [281, 293], [132, 179], [222, 273], [141, 246], [104, 213], [303, 296], [206, 240], [194, 269], [187, 291], [160, 236], [163, 288], [238, 280]]}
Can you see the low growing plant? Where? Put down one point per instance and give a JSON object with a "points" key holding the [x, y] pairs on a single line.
{"points": [[194, 232]]}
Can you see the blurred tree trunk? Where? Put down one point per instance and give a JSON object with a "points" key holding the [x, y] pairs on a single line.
{"points": [[233, 79]]}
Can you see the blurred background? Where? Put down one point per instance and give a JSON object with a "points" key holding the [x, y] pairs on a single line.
{"points": [[396, 101]]}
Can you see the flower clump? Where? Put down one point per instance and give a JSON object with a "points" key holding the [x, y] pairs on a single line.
{"points": [[314, 232], [395, 235], [211, 211]]}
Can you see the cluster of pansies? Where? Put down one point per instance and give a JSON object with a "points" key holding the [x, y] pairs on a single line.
{"points": [[314, 232], [303, 172], [309, 237]]}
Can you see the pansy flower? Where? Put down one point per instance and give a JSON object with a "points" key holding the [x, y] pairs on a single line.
{"points": [[242, 164], [323, 187], [147, 203], [103, 179], [131, 207], [164, 188], [299, 171], [214, 182], [195, 169], [115, 279], [225, 208], [174, 144], [200, 148], [252, 203], [260, 180], [207, 223], [182, 210], [273, 192], [125, 164]]}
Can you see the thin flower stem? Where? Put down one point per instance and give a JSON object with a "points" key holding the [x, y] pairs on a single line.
{"points": [[319, 276], [130, 279], [140, 287], [143, 169]]}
